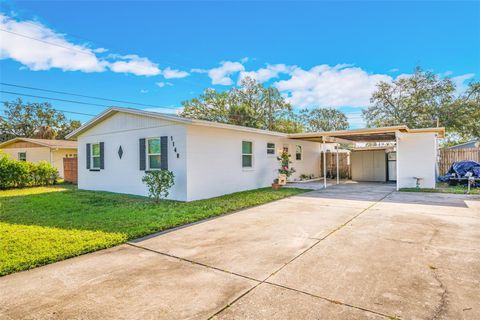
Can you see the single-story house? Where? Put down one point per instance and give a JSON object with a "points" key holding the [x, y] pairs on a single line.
{"points": [[36, 150], [467, 145], [209, 159]]}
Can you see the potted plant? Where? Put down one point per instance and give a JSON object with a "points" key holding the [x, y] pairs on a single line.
{"points": [[285, 171], [275, 184]]}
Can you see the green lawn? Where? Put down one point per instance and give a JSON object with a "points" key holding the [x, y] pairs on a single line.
{"points": [[47, 224], [443, 187]]}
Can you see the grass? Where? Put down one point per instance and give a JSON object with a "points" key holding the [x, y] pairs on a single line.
{"points": [[443, 187], [47, 224]]}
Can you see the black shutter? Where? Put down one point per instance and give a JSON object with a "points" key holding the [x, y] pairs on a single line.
{"points": [[142, 154], [164, 152], [102, 158], [88, 155]]}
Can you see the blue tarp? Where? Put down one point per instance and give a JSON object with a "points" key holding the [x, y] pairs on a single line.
{"points": [[459, 170]]}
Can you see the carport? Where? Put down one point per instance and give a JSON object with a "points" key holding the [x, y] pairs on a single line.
{"points": [[415, 156]]}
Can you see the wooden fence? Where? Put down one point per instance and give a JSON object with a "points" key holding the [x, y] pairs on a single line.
{"points": [[70, 169], [449, 156], [343, 165]]}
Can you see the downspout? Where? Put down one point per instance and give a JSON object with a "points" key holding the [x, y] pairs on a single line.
{"points": [[324, 164], [397, 138], [338, 170]]}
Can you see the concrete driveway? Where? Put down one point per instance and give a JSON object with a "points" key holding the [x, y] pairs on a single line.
{"points": [[353, 251]]}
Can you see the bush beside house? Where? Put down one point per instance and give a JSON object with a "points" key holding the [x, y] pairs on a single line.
{"points": [[18, 174]]}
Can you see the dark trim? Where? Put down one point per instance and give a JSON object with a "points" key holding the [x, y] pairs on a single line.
{"points": [[88, 156], [164, 152], [142, 155], [94, 170], [102, 157]]}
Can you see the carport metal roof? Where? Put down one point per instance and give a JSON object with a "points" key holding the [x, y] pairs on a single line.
{"points": [[362, 135]]}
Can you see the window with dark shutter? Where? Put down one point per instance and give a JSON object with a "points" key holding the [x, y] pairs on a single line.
{"points": [[88, 156], [102, 157], [164, 152], [142, 154]]}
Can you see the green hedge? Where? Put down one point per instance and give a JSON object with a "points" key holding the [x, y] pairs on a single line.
{"points": [[19, 174]]}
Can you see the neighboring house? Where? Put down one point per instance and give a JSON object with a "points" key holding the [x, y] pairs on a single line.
{"points": [[210, 159], [35, 150], [467, 145]]}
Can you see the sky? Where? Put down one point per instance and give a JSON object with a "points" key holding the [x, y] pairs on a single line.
{"points": [[160, 53]]}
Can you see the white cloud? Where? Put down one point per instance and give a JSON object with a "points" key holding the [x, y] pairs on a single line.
{"points": [[100, 50], [199, 70], [221, 75], [394, 70], [169, 73], [461, 81], [162, 84], [244, 60], [323, 85], [40, 55], [134, 64], [143, 91], [269, 72], [38, 47]]}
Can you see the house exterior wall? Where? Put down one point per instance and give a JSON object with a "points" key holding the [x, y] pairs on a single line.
{"points": [[214, 161], [37, 154], [34, 155], [416, 157], [124, 175]]}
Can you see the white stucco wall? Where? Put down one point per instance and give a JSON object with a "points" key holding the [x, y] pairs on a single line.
{"points": [[124, 175], [214, 161], [416, 157]]}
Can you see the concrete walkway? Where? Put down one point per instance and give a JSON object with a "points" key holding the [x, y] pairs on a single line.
{"points": [[352, 251]]}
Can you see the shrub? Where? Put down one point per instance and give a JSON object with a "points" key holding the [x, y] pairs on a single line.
{"points": [[18, 174], [159, 183]]}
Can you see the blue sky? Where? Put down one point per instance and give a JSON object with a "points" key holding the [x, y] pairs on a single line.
{"points": [[161, 53]]}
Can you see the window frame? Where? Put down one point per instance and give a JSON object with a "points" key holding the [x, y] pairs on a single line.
{"points": [[297, 153], [19, 158], [271, 149], [92, 156], [147, 154], [248, 154]]}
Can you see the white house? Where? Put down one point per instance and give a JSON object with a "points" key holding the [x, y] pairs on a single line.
{"points": [[36, 150], [209, 159]]}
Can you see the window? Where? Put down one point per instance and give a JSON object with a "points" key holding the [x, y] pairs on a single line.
{"points": [[153, 153], [247, 154], [95, 155], [22, 156], [298, 153], [270, 148]]}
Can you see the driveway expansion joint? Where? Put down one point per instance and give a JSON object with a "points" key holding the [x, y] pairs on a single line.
{"points": [[299, 255]]}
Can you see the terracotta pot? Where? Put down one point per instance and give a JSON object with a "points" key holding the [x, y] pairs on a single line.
{"points": [[275, 186]]}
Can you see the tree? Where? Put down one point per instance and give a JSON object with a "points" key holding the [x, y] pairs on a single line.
{"points": [[323, 119], [251, 105], [34, 120], [423, 100]]}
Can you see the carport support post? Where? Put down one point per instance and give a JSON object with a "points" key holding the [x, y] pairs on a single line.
{"points": [[324, 164], [338, 170]]}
